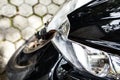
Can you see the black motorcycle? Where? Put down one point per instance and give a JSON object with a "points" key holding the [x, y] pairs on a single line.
{"points": [[82, 42]]}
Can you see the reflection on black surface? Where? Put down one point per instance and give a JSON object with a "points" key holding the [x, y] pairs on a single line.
{"points": [[99, 20]]}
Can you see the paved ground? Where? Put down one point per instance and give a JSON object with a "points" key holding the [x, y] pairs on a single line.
{"points": [[19, 19]]}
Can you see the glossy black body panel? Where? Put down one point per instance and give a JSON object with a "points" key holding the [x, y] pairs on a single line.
{"points": [[97, 24]]}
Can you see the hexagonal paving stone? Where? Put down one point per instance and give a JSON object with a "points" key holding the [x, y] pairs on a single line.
{"points": [[31, 2], [12, 34], [8, 10], [45, 2], [5, 23], [47, 18], [59, 2], [35, 22], [40, 9], [6, 51], [2, 65], [40, 28], [1, 35], [52, 8], [3, 2], [19, 43], [20, 22], [17, 2], [25, 10], [28, 32], [0, 12]]}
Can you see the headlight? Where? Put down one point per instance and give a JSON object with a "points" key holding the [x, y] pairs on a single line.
{"points": [[93, 60]]}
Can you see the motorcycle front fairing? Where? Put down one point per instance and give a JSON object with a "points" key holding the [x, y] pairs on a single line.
{"points": [[97, 24]]}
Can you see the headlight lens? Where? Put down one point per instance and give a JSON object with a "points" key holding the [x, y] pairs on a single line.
{"points": [[93, 60]]}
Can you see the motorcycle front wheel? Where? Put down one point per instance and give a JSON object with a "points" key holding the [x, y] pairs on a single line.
{"points": [[32, 62]]}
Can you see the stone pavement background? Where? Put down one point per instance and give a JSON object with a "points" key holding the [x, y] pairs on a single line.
{"points": [[20, 19]]}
